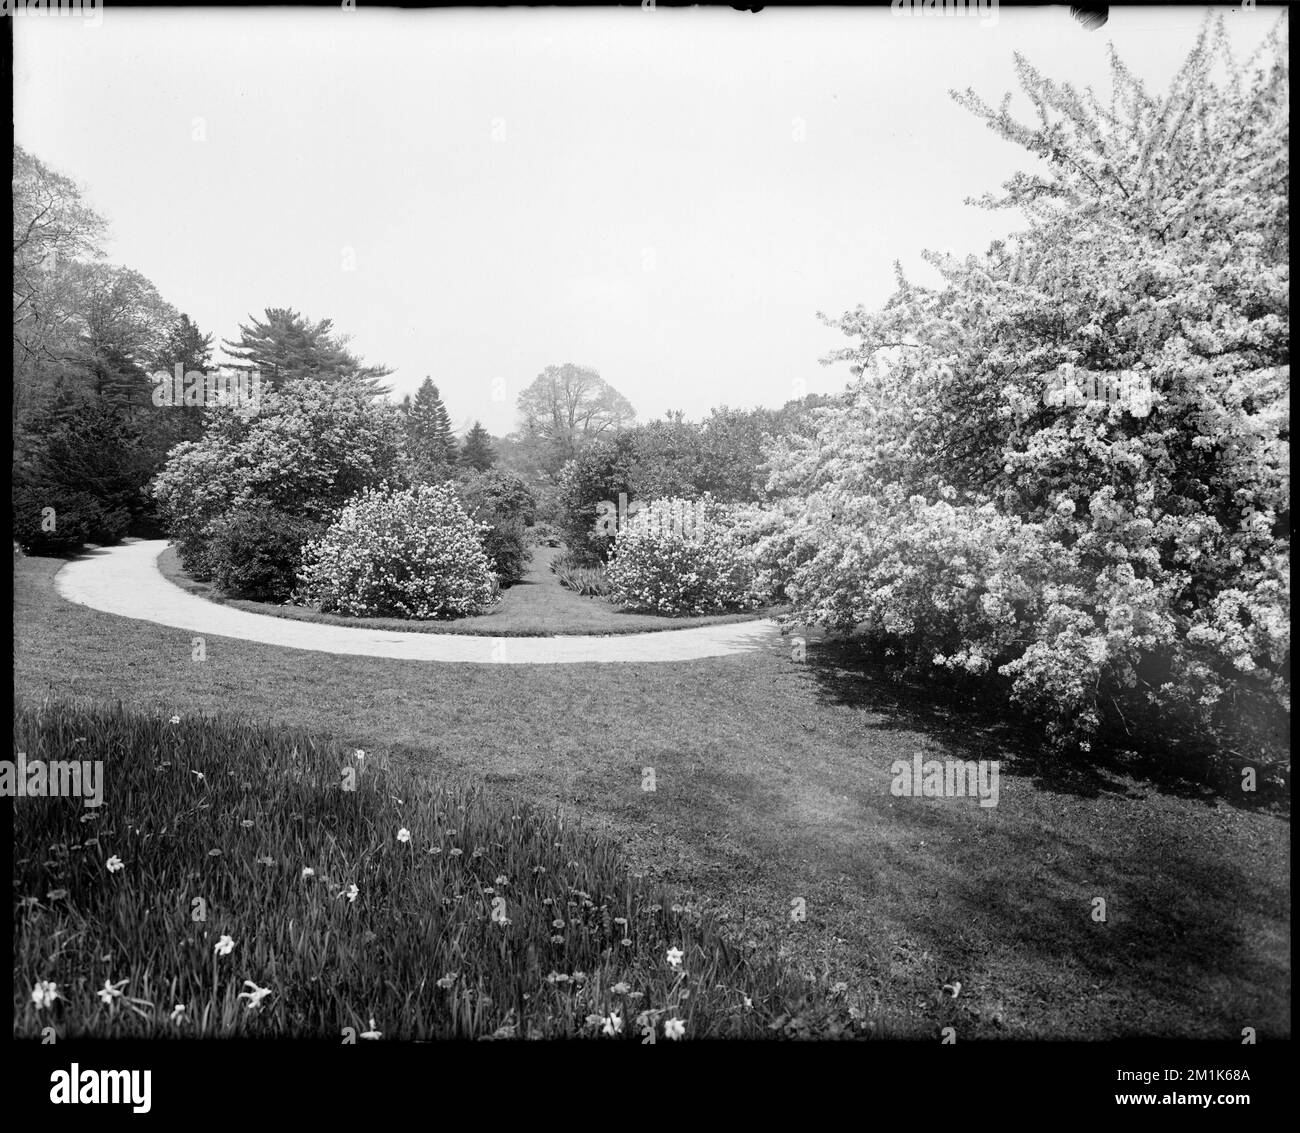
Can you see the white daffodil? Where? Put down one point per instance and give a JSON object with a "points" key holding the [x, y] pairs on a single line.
{"points": [[255, 996]]}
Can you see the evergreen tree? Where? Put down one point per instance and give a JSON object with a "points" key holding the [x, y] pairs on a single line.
{"points": [[187, 345], [288, 345], [477, 452], [432, 444]]}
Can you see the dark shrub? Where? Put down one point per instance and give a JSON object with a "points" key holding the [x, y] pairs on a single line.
{"points": [[255, 550], [78, 517], [503, 501]]}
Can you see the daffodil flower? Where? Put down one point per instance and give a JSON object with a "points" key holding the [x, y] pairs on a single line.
{"points": [[613, 1024], [403, 835], [675, 957], [225, 946], [111, 991], [44, 994], [255, 996], [674, 1028], [114, 864]]}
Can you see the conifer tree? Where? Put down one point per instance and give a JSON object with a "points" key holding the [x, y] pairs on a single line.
{"points": [[431, 441], [477, 452]]}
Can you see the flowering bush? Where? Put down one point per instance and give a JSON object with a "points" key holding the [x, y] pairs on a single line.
{"points": [[683, 557], [410, 553], [1114, 566], [312, 445]]}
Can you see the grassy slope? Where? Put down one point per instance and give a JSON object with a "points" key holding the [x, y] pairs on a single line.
{"points": [[483, 919], [773, 784], [536, 607]]}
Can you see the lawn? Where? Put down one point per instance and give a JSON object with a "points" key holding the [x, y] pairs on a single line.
{"points": [[537, 606], [772, 787]]}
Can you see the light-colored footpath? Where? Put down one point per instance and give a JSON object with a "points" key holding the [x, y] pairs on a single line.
{"points": [[125, 580]]}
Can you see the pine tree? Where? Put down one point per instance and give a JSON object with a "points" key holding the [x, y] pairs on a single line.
{"points": [[477, 452], [429, 429], [288, 345]]}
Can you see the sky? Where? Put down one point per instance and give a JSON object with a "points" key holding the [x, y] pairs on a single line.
{"points": [[668, 197]]}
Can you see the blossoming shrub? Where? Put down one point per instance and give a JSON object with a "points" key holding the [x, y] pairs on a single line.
{"points": [[310, 445], [682, 557], [410, 553], [1121, 566]]}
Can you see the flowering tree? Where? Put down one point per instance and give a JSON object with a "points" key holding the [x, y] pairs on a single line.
{"points": [[1107, 562]]}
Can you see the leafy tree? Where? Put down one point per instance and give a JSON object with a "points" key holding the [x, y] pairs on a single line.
{"points": [[123, 324], [52, 228], [286, 345], [595, 477], [564, 409], [1112, 564], [477, 452]]}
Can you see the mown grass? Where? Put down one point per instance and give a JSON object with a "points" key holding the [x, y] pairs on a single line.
{"points": [[471, 917], [537, 606], [774, 783]]}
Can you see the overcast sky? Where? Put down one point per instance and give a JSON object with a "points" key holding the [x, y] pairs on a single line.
{"points": [[668, 197]]}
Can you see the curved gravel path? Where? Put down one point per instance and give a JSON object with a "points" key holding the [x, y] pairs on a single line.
{"points": [[125, 581]]}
